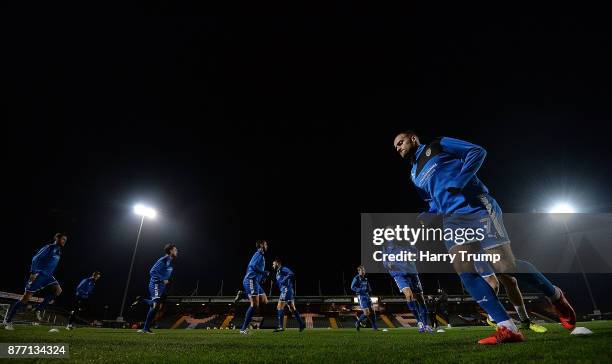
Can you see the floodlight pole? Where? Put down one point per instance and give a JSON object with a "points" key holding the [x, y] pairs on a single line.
{"points": [[584, 276], [127, 283]]}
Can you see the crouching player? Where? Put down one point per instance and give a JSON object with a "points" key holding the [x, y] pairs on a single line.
{"points": [[41, 276], [160, 277], [255, 274], [83, 292], [407, 279], [361, 286], [284, 280]]}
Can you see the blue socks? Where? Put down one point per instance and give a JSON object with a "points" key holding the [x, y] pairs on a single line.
{"points": [[531, 275], [41, 306], [280, 315], [296, 314], [248, 317], [147, 301], [11, 313], [413, 306], [372, 319], [424, 314], [480, 290], [150, 317]]}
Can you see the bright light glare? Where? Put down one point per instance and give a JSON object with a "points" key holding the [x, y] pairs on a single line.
{"points": [[562, 208], [144, 211]]}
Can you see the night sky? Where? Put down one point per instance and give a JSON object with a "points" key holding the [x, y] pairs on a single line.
{"points": [[280, 128]]}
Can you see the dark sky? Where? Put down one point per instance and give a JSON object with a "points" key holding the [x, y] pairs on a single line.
{"points": [[240, 128]]}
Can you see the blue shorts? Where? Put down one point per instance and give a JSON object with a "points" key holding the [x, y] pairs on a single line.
{"points": [[488, 219], [286, 294], [41, 281], [156, 289], [408, 280], [365, 302], [252, 287]]}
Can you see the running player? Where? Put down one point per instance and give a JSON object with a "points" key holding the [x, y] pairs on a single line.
{"points": [[255, 274], [284, 280], [83, 292], [361, 286], [407, 279], [41, 276], [160, 275], [444, 174]]}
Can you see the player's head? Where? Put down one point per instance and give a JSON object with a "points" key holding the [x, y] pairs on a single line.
{"points": [[261, 244], [60, 239], [276, 263], [405, 143], [96, 275], [361, 270], [171, 250]]}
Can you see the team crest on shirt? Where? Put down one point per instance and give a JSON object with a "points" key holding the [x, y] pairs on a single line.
{"points": [[428, 152]]}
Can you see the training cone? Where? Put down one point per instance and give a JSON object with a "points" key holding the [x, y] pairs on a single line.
{"points": [[581, 331]]}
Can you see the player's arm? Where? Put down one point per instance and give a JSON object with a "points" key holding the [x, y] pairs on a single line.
{"points": [[81, 287], [472, 155], [355, 285]]}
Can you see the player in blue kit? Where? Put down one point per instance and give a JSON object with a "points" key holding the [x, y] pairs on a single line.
{"points": [[252, 283], [41, 276], [160, 275], [407, 279], [361, 286], [284, 280], [444, 174], [83, 292]]}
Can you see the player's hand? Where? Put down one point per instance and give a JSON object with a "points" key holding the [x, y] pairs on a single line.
{"points": [[165, 281], [33, 277]]}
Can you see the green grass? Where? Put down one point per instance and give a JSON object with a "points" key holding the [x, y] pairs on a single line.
{"points": [[321, 346]]}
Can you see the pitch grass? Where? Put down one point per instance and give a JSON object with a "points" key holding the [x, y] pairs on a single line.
{"points": [[320, 345]]}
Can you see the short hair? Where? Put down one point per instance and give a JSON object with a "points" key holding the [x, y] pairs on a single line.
{"points": [[169, 247], [360, 267], [259, 243], [59, 235], [96, 273], [408, 132], [278, 260]]}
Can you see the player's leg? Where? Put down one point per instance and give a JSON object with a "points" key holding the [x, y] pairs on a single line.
{"points": [[156, 290], [56, 290], [413, 306], [23, 301], [508, 264], [529, 273], [253, 290], [486, 272], [516, 298], [280, 313], [76, 307], [372, 317], [422, 305], [484, 295], [296, 314], [417, 291]]}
